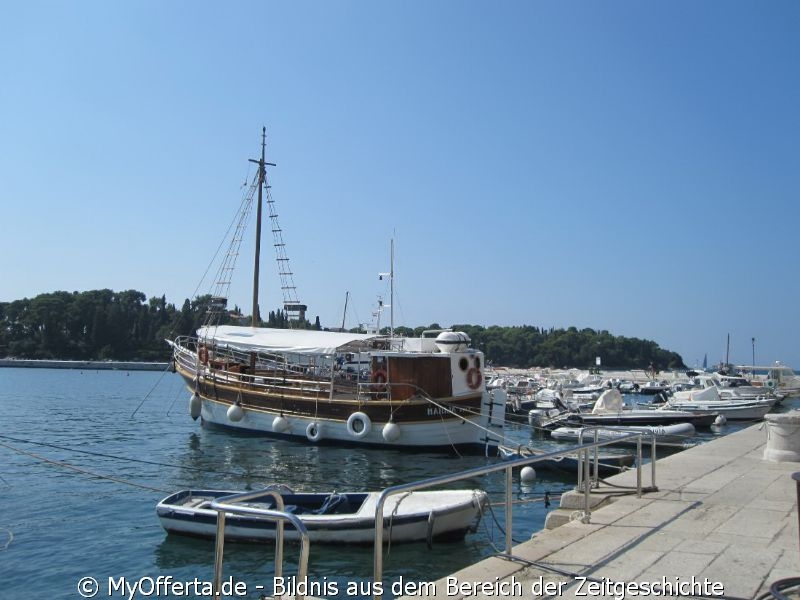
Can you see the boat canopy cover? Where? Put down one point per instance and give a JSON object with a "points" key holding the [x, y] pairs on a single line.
{"points": [[609, 401], [294, 341]]}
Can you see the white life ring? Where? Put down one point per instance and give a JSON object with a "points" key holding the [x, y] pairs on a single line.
{"points": [[358, 424], [314, 431]]}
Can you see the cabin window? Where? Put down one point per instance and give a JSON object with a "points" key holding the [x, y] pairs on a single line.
{"points": [[463, 364]]}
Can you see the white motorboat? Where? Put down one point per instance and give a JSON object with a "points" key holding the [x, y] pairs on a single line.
{"points": [[345, 518], [610, 409], [666, 435], [709, 400]]}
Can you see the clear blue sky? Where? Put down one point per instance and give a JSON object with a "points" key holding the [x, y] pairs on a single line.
{"points": [[625, 166]]}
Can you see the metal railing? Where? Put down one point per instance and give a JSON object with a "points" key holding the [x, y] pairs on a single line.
{"points": [[596, 429], [228, 504], [232, 504], [584, 473]]}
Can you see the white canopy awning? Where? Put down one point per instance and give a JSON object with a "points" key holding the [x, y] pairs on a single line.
{"points": [[295, 341]]}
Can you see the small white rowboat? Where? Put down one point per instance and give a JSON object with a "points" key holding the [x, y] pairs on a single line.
{"points": [[441, 515]]}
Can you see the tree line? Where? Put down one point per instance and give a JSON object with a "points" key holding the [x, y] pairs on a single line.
{"points": [[109, 325]]}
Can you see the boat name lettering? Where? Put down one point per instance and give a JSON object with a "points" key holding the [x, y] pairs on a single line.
{"points": [[435, 411]]}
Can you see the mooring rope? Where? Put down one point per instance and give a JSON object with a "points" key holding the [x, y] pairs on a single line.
{"points": [[125, 458], [81, 470]]}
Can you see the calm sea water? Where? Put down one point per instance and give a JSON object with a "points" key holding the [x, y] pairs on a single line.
{"points": [[80, 485]]}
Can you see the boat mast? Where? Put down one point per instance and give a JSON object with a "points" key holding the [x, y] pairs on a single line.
{"points": [[262, 177], [391, 291]]}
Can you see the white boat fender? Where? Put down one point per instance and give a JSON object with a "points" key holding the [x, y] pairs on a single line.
{"points": [[195, 406], [429, 535], [235, 412], [391, 432], [720, 420], [527, 475], [358, 424], [280, 424], [314, 431]]}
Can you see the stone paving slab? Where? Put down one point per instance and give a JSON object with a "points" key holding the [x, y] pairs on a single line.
{"points": [[721, 514]]}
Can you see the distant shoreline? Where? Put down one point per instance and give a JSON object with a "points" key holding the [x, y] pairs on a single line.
{"points": [[104, 365]]}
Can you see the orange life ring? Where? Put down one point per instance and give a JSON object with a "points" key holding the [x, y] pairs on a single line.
{"points": [[202, 355], [474, 378], [380, 378]]}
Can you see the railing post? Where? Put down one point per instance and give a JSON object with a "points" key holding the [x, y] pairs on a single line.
{"points": [[219, 549], [639, 466], [586, 486], [653, 461], [377, 558], [509, 507]]}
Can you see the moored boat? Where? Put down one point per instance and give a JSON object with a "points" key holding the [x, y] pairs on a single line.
{"points": [[673, 435], [300, 384], [421, 393], [345, 518], [708, 399]]}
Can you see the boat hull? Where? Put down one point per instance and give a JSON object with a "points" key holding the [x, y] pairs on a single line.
{"points": [[471, 422], [741, 411], [648, 417], [417, 516], [676, 434]]}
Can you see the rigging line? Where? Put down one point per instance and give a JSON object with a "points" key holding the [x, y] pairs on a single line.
{"points": [[83, 471], [152, 389], [178, 394], [117, 457], [449, 439]]}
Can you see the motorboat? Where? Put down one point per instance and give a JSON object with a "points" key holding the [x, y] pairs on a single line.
{"points": [[652, 387], [610, 409], [676, 434], [709, 400], [343, 518]]}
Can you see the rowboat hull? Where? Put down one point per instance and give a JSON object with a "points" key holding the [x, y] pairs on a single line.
{"points": [[445, 515]]}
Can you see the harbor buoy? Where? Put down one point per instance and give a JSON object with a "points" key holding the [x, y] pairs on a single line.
{"points": [[314, 432], [720, 420], [527, 474], [280, 424], [195, 406], [358, 424], [235, 413], [391, 432]]}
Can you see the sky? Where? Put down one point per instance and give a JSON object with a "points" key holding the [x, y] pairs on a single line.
{"points": [[624, 166]]}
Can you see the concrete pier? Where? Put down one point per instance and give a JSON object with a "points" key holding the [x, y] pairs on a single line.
{"points": [[722, 515]]}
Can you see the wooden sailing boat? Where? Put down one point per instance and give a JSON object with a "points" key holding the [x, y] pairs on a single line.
{"points": [[423, 392]]}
